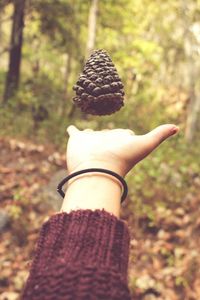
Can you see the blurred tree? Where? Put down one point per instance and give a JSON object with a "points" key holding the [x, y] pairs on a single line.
{"points": [[192, 53], [13, 75], [60, 22], [92, 21]]}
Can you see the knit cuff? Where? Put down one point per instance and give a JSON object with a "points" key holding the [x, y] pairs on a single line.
{"points": [[83, 237]]}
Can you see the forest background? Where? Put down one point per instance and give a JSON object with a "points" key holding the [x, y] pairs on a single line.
{"points": [[155, 46]]}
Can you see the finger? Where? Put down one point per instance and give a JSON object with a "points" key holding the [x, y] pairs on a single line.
{"points": [[72, 129], [131, 132], [160, 134], [88, 130]]}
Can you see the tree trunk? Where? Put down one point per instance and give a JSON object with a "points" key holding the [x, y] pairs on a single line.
{"points": [[1, 29], [192, 118], [92, 28], [65, 101], [193, 98], [67, 74], [13, 75], [193, 67]]}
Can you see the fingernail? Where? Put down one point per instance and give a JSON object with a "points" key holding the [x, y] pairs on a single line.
{"points": [[175, 129]]}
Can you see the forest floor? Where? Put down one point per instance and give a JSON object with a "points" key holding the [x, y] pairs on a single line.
{"points": [[164, 259]]}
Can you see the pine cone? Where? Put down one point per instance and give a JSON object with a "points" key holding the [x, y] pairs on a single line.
{"points": [[99, 90]]}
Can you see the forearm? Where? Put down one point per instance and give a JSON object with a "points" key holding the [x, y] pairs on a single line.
{"points": [[93, 191]]}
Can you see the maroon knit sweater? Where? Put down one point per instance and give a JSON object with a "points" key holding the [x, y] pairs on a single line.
{"points": [[80, 255]]}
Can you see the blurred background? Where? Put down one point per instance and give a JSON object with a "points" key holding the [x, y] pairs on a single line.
{"points": [[155, 46]]}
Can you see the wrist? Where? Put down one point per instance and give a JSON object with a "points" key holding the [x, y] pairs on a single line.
{"points": [[93, 191], [102, 164]]}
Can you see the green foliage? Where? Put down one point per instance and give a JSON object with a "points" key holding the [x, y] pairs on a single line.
{"points": [[15, 212]]}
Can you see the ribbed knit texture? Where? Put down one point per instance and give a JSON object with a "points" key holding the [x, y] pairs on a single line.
{"points": [[80, 255]]}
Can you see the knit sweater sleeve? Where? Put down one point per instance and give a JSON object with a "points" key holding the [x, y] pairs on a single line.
{"points": [[80, 255]]}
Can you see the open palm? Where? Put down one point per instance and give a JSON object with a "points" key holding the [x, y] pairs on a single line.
{"points": [[117, 150]]}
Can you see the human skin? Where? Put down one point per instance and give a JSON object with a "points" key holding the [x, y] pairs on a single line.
{"points": [[118, 150]]}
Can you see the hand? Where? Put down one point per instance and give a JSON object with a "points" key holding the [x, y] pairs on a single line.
{"points": [[117, 150]]}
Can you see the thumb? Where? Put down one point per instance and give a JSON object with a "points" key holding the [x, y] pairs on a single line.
{"points": [[160, 134]]}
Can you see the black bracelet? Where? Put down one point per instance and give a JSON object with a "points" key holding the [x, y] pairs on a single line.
{"points": [[121, 179]]}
